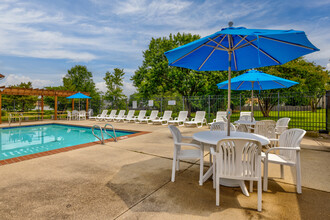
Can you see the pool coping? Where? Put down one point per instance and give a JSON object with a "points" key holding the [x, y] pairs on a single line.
{"points": [[64, 149]]}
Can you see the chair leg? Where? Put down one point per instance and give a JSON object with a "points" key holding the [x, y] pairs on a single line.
{"points": [[251, 186], [214, 173], [259, 195], [282, 171], [177, 164], [173, 166], [298, 170], [265, 174], [201, 168]]}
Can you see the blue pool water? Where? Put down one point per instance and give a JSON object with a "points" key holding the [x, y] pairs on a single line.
{"points": [[21, 141]]}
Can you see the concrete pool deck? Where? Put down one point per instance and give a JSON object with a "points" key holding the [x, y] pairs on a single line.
{"points": [[130, 179]]}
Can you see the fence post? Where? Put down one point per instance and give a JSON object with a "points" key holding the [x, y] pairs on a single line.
{"points": [[161, 104], [278, 105], [209, 108], [240, 103], [182, 103], [327, 109]]}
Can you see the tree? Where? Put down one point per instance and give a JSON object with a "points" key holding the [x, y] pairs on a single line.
{"points": [[80, 79], [114, 83], [156, 78], [20, 102]]}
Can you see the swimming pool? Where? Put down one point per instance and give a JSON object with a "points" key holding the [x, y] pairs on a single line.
{"points": [[26, 140]]}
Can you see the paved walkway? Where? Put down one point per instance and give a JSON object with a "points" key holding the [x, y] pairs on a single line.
{"points": [[130, 179]]}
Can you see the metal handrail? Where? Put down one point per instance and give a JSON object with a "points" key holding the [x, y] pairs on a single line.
{"points": [[114, 132], [97, 126]]}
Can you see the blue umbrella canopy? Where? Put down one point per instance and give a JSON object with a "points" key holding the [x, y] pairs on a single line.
{"points": [[257, 80], [78, 96], [239, 48]]}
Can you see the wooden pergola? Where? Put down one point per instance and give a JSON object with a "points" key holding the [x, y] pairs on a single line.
{"points": [[42, 93]]}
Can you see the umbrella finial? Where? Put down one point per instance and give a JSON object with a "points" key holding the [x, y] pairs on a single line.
{"points": [[230, 23]]}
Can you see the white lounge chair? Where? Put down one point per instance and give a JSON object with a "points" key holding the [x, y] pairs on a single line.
{"points": [[199, 119], [179, 153], [163, 120], [221, 116], [129, 116], [238, 159], [142, 115], [111, 116], [153, 116], [102, 115], [289, 154], [121, 114], [183, 116]]}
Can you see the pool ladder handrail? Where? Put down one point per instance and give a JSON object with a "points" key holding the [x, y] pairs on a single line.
{"points": [[100, 128], [105, 130], [114, 132]]}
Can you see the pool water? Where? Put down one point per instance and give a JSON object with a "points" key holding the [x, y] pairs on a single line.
{"points": [[21, 141]]}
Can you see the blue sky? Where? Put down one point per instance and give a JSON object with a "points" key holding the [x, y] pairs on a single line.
{"points": [[41, 39]]}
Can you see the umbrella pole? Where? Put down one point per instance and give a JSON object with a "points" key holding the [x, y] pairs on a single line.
{"points": [[229, 94], [252, 114]]}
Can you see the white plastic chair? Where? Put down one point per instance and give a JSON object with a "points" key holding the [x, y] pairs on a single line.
{"points": [[221, 116], [82, 115], [199, 119], [163, 120], [183, 116], [266, 128], [109, 117], [289, 154], [153, 116], [282, 124], [221, 126], [179, 153], [141, 115], [75, 115], [69, 117], [237, 159]]}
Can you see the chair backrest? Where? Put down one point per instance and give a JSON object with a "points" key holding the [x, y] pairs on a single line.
{"points": [[221, 115], [90, 112], [82, 113], [200, 115], [104, 113], [142, 114], [282, 124], [291, 138], [182, 115], [121, 113], [167, 115], [265, 128], [242, 128], [74, 112], [113, 113], [69, 113], [245, 114], [177, 137], [130, 114], [245, 118], [238, 158], [153, 114], [221, 126]]}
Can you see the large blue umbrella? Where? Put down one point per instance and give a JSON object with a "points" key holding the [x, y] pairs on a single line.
{"points": [[256, 80], [247, 48], [79, 96]]}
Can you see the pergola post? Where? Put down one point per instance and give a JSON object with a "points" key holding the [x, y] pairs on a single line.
{"points": [[86, 105], [0, 108], [55, 116], [42, 107], [72, 105]]}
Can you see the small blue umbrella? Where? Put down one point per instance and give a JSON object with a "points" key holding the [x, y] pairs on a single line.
{"points": [[79, 96], [239, 48], [256, 80]]}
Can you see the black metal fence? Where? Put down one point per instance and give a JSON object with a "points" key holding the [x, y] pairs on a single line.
{"points": [[306, 110]]}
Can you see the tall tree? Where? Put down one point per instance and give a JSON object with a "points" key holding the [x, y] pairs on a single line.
{"points": [[114, 83], [80, 79], [156, 78]]}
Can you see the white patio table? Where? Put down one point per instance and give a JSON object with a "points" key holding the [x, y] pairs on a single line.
{"points": [[212, 138]]}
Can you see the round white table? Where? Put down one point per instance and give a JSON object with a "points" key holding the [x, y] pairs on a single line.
{"points": [[212, 138]]}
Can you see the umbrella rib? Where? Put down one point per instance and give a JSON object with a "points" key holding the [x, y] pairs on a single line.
{"points": [[217, 48], [218, 44], [285, 42], [232, 43], [261, 50], [239, 42], [240, 85], [279, 83], [192, 51], [259, 85], [244, 45]]}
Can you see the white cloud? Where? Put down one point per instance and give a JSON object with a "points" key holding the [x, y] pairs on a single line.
{"points": [[13, 79], [101, 86], [328, 66], [128, 87]]}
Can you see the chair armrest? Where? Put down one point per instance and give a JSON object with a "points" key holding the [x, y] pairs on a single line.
{"points": [[188, 137], [282, 148], [193, 119], [214, 120], [189, 144]]}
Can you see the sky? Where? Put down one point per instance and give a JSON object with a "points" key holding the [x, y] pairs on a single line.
{"points": [[41, 39]]}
